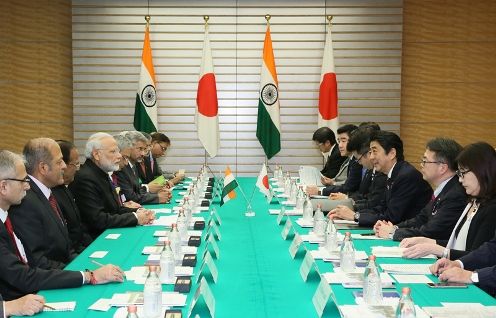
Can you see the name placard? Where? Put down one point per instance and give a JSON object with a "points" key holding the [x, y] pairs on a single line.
{"points": [[321, 296], [286, 229], [295, 245]]}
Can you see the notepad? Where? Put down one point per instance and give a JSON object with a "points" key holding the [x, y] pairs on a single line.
{"points": [[412, 279], [61, 306], [412, 269], [114, 236], [392, 251], [102, 304]]}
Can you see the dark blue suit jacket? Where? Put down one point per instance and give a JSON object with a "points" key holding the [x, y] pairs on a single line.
{"points": [[406, 194], [353, 179], [438, 218], [333, 163]]}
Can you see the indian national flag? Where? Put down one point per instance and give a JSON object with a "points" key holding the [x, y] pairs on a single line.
{"points": [[207, 119], [230, 184], [268, 124], [328, 95], [145, 111], [263, 181]]}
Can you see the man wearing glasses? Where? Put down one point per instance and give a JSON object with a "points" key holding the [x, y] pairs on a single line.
{"points": [[38, 219], [438, 218]]}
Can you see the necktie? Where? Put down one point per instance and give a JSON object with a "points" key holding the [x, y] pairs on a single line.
{"points": [[152, 162], [433, 198], [143, 168], [113, 183], [10, 231], [55, 207]]}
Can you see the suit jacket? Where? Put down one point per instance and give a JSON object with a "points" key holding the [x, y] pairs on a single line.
{"points": [[406, 194], [128, 181], [41, 230], [371, 192], [438, 218], [333, 163], [483, 260], [352, 182], [151, 174], [98, 202], [78, 233], [18, 279], [2, 314], [481, 230]]}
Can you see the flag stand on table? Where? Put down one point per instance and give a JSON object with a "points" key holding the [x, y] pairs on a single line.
{"points": [[145, 109], [263, 183], [328, 90]]}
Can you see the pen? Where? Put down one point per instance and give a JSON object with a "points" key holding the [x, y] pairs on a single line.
{"points": [[49, 307], [97, 263]]}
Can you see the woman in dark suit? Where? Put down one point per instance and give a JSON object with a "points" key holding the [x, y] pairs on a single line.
{"points": [[477, 223]]}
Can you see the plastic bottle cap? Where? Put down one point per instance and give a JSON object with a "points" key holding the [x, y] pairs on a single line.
{"points": [[347, 234], [153, 269], [372, 257], [318, 206], [405, 290], [132, 309]]}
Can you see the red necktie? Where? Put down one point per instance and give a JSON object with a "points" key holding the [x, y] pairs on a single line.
{"points": [[113, 183], [433, 198], [151, 163], [10, 231], [55, 207]]}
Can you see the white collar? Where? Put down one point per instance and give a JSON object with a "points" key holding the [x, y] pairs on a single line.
{"points": [[391, 171], [46, 190], [3, 215], [440, 187]]}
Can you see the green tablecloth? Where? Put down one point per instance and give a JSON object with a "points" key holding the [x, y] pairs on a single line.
{"points": [[257, 276]]}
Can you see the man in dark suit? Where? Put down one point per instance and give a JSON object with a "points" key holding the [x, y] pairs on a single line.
{"points": [[77, 230], [39, 220], [438, 218], [19, 274], [96, 196], [406, 191], [128, 179], [373, 185], [325, 139], [150, 168]]}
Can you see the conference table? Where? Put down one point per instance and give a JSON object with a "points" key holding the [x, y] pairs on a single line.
{"points": [[257, 276]]}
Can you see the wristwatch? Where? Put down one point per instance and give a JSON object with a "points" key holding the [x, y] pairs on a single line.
{"points": [[357, 216], [474, 277]]}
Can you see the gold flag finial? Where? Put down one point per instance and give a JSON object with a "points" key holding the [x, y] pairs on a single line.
{"points": [[267, 17], [206, 18], [147, 19], [329, 18]]}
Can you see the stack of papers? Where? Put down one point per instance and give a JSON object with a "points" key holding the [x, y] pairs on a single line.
{"points": [[60, 306], [136, 298], [392, 251], [412, 269], [461, 310], [355, 279]]}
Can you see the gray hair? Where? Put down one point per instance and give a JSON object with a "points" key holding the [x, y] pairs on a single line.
{"points": [[95, 142], [147, 136], [37, 150], [8, 161], [135, 136], [123, 142]]}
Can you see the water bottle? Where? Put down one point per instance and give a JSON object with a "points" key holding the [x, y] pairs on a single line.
{"points": [[406, 307], [175, 241], [167, 264], [347, 254], [319, 222], [294, 191], [182, 226], [152, 295], [300, 199], [287, 184], [372, 288], [331, 236], [132, 311], [307, 210], [280, 177]]}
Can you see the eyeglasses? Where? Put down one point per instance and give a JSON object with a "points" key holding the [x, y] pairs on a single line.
{"points": [[77, 165], [361, 156], [423, 162], [26, 179], [461, 174]]}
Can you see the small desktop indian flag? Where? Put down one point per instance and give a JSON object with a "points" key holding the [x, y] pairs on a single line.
{"points": [[230, 184]]}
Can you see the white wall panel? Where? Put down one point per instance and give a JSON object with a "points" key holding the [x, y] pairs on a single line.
{"points": [[107, 42]]}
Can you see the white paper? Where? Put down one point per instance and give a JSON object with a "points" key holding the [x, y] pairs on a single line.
{"points": [[344, 222], [121, 312], [366, 237], [361, 311], [461, 310], [147, 250], [278, 190], [309, 175], [102, 304], [392, 251], [162, 210], [99, 254], [412, 269], [168, 299], [355, 279], [304, 223], [411, 279], [289, 203], [113, 236], [312, 238], [294, 212]]}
